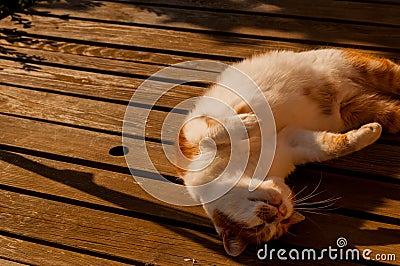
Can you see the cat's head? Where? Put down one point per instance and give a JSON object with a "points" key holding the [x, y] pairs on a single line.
{"points": [[242, 217]]}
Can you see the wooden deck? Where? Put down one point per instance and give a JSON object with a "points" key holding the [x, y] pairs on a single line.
{"points": [[67, 73]]}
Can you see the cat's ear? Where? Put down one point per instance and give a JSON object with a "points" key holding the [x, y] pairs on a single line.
{"points": [[296, 218], [234, 244]]}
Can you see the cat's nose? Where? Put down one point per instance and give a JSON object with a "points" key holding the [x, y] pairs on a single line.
{"points": [[271, 212]]}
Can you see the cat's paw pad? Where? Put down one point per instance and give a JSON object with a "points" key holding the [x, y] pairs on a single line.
{"points": [[371, 129], [367, 134]]}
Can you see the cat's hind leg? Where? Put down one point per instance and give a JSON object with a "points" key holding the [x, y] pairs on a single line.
{"points": [[315, 146], [365, 107], [374, 73], [376, 97]]}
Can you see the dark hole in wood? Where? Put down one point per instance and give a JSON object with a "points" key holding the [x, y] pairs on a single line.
{"points": [[119, 151]]}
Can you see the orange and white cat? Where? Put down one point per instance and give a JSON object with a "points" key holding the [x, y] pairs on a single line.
{"points": [[326, 103]]}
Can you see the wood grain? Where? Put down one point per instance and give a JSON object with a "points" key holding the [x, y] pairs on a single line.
{"points": [[120, 55], [379, 159], [66, 77], [251, 25], [124, 237], [10, 263], [191, 43], [82, 149], [118, 190], [324, 9], [157, 56], [92, 85], [38, 254]]}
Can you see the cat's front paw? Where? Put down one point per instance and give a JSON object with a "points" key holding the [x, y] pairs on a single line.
{"points": [[367, 134], [241, 126], [249, 120]]}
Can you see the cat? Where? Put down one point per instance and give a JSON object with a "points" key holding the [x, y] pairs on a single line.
{"points": [[326, 103]]}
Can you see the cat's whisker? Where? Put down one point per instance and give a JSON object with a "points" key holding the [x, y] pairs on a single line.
{"points": [[314, 207], [311, 195], [291, 196], [319, 202], [290, 233], [298, 193], [315, 212], [318, 210], [323, 208]]}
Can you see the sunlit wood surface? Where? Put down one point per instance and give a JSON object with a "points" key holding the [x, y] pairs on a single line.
{"points": [[67, 72]]}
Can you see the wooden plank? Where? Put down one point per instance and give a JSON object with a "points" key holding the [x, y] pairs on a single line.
{"points": [[191, 42], [14, 174], [86, 114], [325, 9], [166, 41], [123, 55], [116, 190], [69, 81], [38, 52], [90, 85], [52, 143], [84, 145], [38, 136], [126, 238], [10, 263], [383, 2], [155, 57], [372, 196], [90, 186], [364, 161], [370, 229], [132, 238], [120, 67], [251, 25], [44, 133], [38, 254], [47, 75], [63, 109], [102, 232], [379, 159], [50, 80]]}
